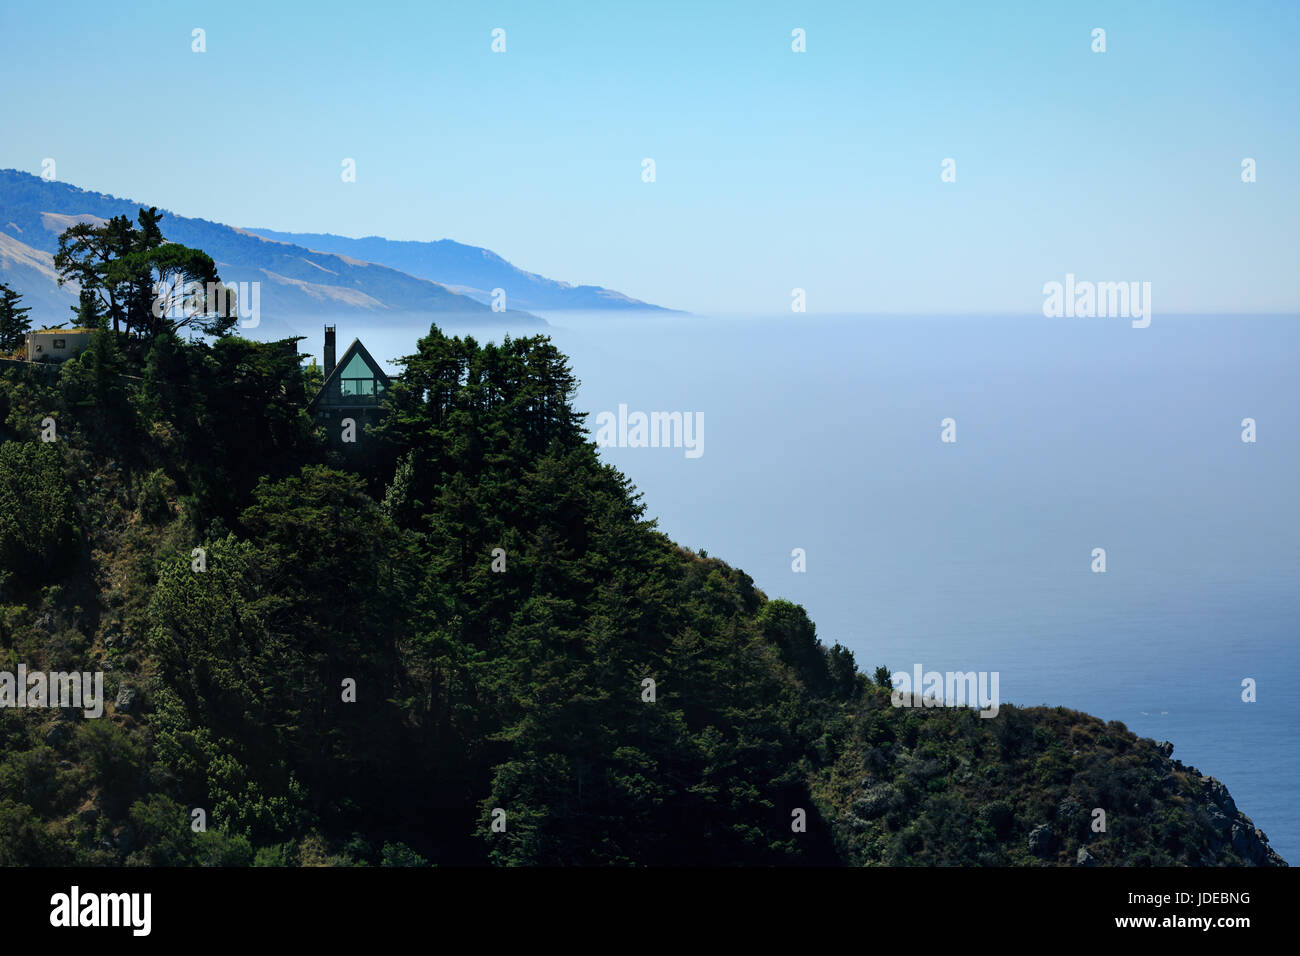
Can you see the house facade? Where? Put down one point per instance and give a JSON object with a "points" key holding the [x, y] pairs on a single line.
{"points": [[350, 398], [55, 345]]}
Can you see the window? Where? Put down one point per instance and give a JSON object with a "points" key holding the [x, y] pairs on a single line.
{"points": [[358, 380], [60, 343], [358, 386]]}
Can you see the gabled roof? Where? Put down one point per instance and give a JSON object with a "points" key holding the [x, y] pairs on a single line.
{"points": [[355, 350]]}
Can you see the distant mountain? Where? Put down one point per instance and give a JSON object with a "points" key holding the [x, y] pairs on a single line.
{"points": [[469, 270], [31, 272], [295, 282]]}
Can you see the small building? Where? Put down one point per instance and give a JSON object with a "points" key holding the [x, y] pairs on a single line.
{"points": [[55, 345], [354, 388]]}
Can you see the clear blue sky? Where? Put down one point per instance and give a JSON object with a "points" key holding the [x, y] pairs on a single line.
{"points": [[819, 170]]}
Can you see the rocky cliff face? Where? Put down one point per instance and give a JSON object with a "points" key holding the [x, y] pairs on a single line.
{"points": [[1232, 829]]}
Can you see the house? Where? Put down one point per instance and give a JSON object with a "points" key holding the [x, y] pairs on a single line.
{"points": [[353, 389], [55, 345]]}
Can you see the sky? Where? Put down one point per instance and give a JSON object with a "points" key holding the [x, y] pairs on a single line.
{"points": [[774, 170]]}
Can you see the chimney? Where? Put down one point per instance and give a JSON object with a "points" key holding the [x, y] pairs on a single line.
{"points": [[329, 350]]}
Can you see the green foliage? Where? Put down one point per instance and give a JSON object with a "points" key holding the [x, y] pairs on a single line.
{"points": [[89, 311], [24, 840], [214, 848], [128, 274], [943, 786], [38, 524], [116, 758], [14, 321], [275, 854], [94, 378], [162, 829], [152, 501], [399, 854]]}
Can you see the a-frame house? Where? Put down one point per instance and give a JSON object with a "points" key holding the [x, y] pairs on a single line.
{"points": [[354, 388]]}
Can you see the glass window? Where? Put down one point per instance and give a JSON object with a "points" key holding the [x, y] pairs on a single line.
{"points": [[358, 386], [358, 368], [357, 379]]}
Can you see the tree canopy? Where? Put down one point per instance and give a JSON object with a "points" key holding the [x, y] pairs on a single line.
{"points": [[14, 321], [130, 275]]}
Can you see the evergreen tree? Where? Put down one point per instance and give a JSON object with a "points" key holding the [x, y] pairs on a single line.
{"points": [[145, 284], [89, 312], [14, 323], [103, 360]]}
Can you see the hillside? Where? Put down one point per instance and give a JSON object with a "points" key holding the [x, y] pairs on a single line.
{"points": [[25, 268], [495, 599], [470, 270], [295, 282]]}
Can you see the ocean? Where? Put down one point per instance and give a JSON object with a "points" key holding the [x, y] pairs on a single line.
{"points": [[823, 433]]}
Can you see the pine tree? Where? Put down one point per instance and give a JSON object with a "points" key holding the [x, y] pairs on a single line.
{"points": [[14, 323], [104, 361], [89, 311]]}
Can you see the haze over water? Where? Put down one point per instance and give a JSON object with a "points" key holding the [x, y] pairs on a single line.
{"points": [[823, 433]]}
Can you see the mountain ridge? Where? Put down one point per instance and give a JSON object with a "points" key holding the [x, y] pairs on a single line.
{"points": [[474, 269], [295, 281]]}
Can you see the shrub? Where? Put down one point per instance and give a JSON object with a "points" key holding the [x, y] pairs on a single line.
{"points": [[152, 502], [38, 527]]}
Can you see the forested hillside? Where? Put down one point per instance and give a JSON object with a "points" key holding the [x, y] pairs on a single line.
{"points": [[498, 600]]}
